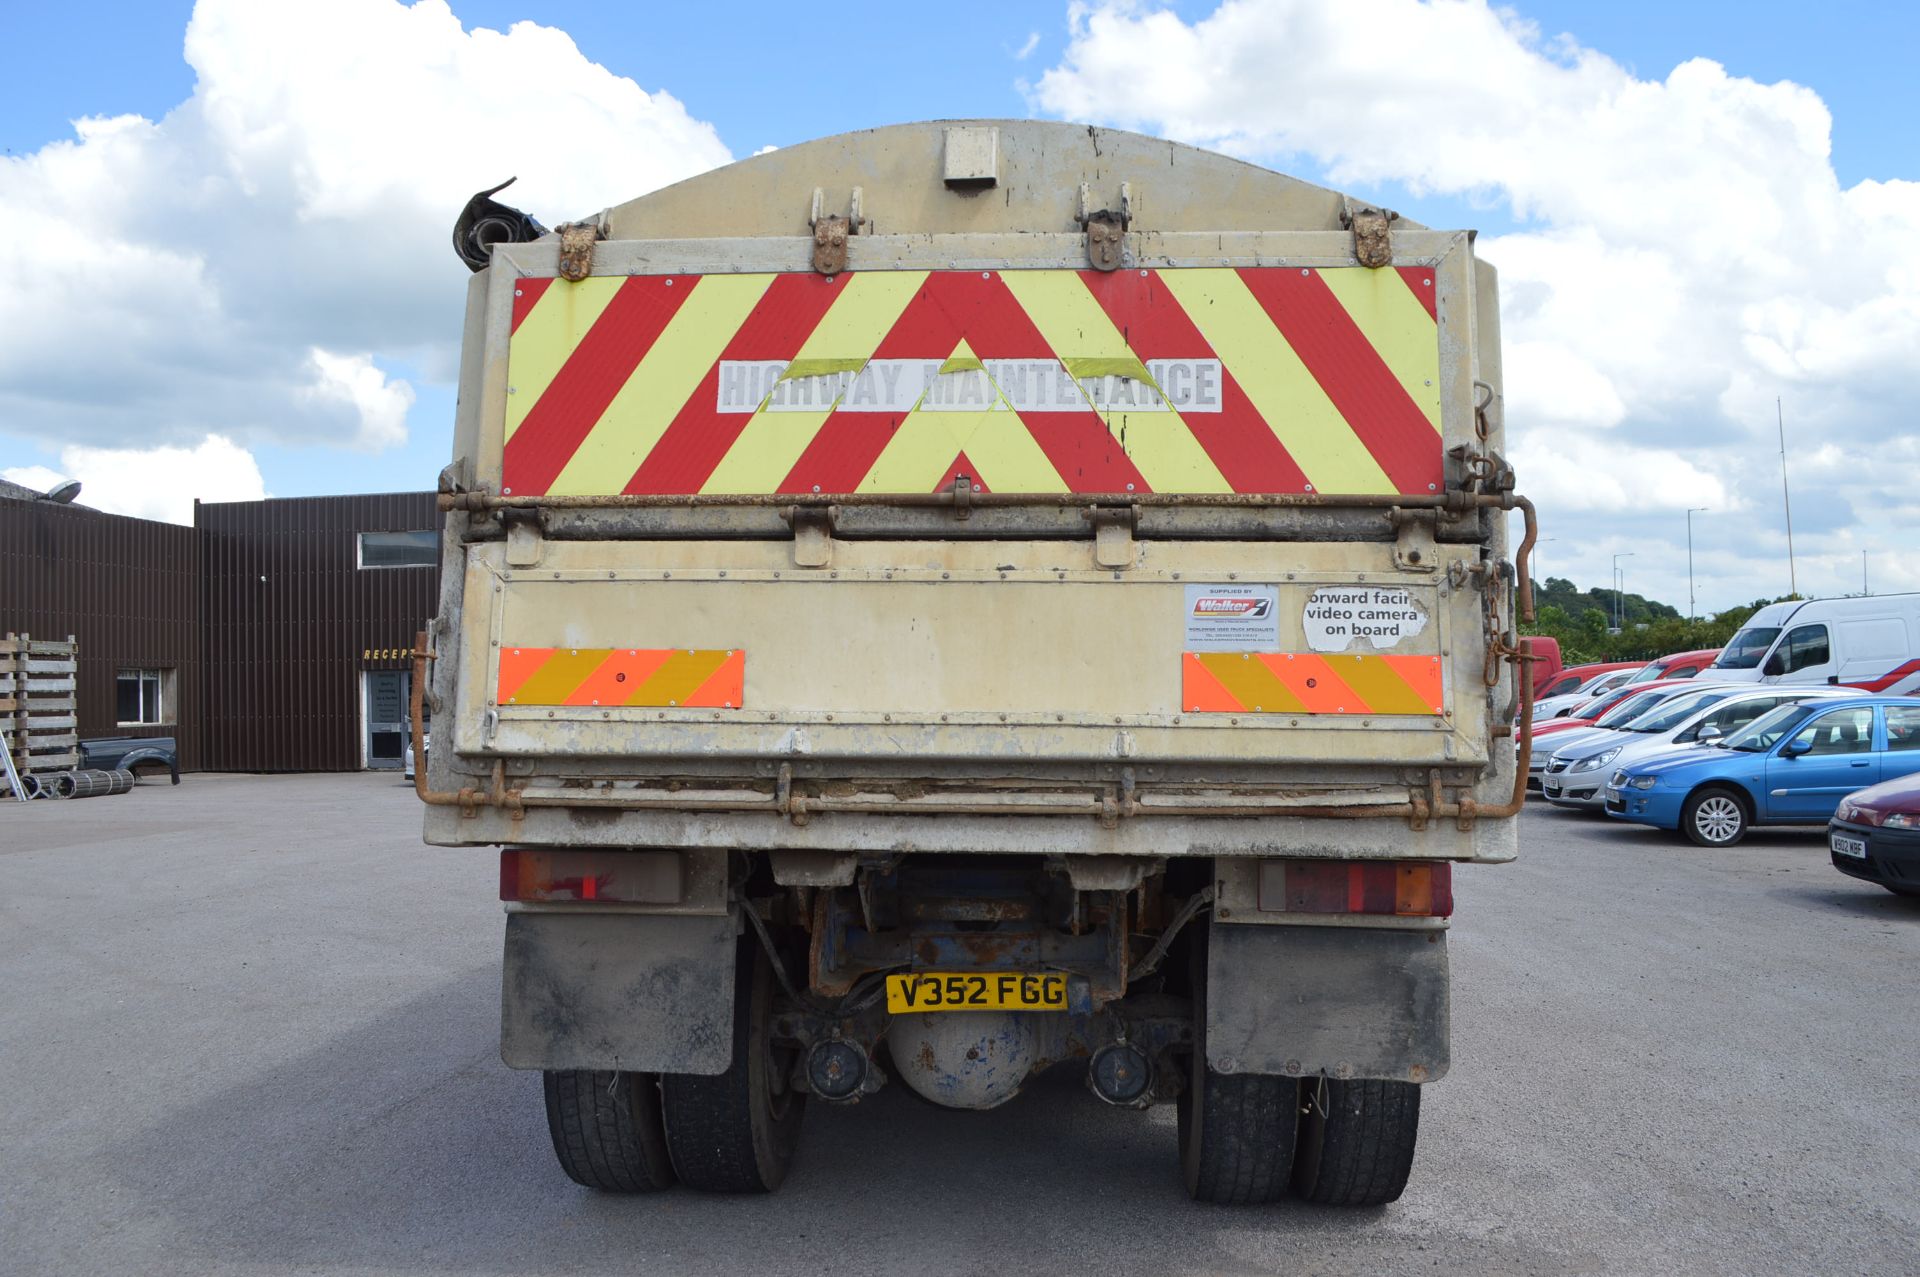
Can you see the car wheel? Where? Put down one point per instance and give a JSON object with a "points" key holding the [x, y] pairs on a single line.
{"points": [[1714, 818], [1902, 891]]}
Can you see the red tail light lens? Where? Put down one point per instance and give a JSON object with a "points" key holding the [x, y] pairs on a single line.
{"points": [[1400, 888], [618, 877]]}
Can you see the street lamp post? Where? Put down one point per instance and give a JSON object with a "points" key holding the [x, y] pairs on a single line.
{"points": [[1538, 573], [1619, 588], [1699, 509]]}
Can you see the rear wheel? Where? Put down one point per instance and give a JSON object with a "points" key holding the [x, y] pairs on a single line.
{"points": [[1356, 1141], [606, 1129], [1236, 1129], [736, 1132], [1714, 818]]}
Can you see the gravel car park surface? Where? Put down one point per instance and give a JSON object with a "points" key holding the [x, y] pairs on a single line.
{"points": [[249, 1025]]}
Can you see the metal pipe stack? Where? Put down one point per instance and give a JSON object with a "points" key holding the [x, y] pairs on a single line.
{"points": [[81, 784]]}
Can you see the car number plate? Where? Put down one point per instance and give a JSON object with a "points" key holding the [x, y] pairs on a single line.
{"points": [[1855, 847], [976, 991]]}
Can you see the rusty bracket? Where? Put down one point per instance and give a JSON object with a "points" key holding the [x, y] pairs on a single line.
{"points": [[963, 491], [1485, 473], [831, 232], [1468, 809], [1106, 228], [1415, 548], [576, 248], [1113, 528], [1372, 233], [812, 534]]}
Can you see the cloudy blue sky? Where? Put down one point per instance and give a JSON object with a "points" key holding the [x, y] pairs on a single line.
{"points": [[224, 224]]}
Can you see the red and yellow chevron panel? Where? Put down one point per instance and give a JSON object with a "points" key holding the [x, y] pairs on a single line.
{"points": [[1264, 380], [1304, 683], [653, 678]]}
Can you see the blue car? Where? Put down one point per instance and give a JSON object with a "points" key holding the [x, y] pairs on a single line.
{"points": [[1789, 767]]}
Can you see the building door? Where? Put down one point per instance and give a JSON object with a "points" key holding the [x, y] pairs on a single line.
{"points": [[387, 700]]}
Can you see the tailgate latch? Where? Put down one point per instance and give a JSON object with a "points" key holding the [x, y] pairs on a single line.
{"points": [[1106, 228], [1113, 526], [1372, 233], [831, 232], [812, 535]]}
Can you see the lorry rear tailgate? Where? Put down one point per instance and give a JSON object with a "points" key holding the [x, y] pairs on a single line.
{"points": [[996, 652]]}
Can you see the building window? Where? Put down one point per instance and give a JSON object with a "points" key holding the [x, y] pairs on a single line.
{"points": [[141, 697], [399, 549]]}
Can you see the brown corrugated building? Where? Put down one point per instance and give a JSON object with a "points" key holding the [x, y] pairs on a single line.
{"points": [[268, 636]]}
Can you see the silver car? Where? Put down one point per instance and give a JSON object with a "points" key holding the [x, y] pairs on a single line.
{"points": [[1599, 685], [1624, 711], [1576, 773]]}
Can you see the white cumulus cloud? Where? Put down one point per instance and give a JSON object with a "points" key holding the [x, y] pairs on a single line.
{"points": [[153, 483], [230, 273], [372, 406], [1687, 254]]}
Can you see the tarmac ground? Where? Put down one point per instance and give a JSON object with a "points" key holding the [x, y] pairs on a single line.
{"points": [[249, 1025]]}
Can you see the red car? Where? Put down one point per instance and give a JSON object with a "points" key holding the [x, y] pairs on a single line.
{"points": [[1875, 835], [1543, 657], [1570, 678], [1599, 707], [1676, 665]]}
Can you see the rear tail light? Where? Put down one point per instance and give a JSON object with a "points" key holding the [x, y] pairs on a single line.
{"points": [[1399, 888], [615, 877]]}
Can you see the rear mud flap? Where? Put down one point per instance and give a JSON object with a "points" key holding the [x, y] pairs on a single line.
{"points": [[649, 993], [1347, 1002]]}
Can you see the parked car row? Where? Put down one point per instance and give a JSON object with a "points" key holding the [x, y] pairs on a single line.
{"points": [[1712, 759], [1577, 685], [1871, 643]]}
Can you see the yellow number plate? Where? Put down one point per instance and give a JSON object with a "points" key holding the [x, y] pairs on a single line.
{"points": [[976, 991]]}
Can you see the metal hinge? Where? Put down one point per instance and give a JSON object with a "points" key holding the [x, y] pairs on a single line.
{"points": [[1106, 228], [1414, 547], [1372, 233], [1478, 472], [812, 535], [1113, 545], [526, 542], [576, 247], [831, 231]]}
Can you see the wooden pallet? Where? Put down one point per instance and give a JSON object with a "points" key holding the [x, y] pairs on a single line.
{"points": [[38, 721]]}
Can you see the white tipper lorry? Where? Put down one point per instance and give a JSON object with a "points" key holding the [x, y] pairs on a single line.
{"points": [[934, 604]]}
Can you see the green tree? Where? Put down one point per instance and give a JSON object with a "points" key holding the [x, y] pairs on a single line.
{"points": [[1651, 629]]}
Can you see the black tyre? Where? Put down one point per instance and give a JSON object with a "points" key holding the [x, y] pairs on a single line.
{"points": [[1902, 891], [1714, 817], [606, 1130], [736, 1133], [1236, 1129], [1356, 1141]]}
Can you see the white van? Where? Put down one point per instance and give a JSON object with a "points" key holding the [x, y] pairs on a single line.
{"points": [[1871, 642]]}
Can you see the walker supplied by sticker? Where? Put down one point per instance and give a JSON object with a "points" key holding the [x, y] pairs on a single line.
{"points": [[1233, 618]]}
